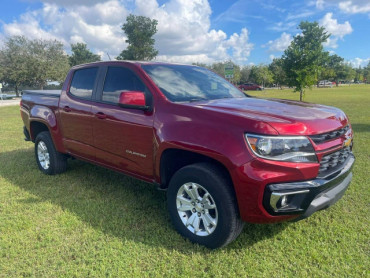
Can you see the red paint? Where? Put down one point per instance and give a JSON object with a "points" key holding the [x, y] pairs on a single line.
{"points": [[132, 141], [250, 87], [132, 98]]}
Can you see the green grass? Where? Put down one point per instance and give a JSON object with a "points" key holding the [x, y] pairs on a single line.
{"points": [[94, 222]]}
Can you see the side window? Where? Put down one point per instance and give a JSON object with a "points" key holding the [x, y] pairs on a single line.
{"points": [[118, 80], [83, 82]]}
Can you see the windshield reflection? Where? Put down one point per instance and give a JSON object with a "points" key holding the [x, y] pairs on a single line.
{"points": [[190, 83]]}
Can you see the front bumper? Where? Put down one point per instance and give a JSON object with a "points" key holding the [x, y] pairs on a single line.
{"points": [[306, 197]]}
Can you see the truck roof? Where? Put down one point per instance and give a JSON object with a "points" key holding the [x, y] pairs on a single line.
{"points": [[138, 63]]}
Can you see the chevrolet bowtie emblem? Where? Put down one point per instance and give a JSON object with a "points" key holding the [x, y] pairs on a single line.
{"points": [[347, 142]]}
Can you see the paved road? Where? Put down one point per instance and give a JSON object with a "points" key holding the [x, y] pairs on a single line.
{"points": [[9, 102]]}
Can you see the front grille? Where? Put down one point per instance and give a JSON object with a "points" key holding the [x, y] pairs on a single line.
{"points": [[321, 138], [333, 162]]}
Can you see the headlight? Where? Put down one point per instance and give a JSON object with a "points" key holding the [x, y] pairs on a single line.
{"points": [[292, 148]]}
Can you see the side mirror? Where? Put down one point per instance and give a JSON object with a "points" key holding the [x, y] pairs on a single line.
{"points": [[133, 100]]}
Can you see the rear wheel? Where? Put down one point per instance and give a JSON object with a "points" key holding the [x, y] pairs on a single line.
{"points": [[49, 160], [202, 205]]}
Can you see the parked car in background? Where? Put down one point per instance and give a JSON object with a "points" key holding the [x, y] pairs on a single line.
{"points": [[325, 83], [6, 96], [250, 87]]}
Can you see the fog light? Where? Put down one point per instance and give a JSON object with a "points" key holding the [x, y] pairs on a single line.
{"points": [[284, 201]]}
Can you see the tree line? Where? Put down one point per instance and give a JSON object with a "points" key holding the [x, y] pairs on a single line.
{"points": [[26, 63], [303, 64], [32, 63], [273, 74]]}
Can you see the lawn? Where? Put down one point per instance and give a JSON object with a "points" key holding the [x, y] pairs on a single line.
{"points": [[94, 222]]}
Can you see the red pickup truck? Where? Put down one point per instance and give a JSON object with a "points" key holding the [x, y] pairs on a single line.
{"points": [[223, 157]]}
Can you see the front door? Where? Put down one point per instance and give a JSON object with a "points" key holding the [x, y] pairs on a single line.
{"points": [[123, 138]]}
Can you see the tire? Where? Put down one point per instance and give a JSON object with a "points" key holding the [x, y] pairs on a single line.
{"points": [[49, 160], [215, 224]]}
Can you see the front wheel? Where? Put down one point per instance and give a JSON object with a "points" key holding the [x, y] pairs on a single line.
{"points": [[202, 205], [49, 160]]}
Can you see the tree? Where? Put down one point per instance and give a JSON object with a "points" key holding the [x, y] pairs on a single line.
{"points": [[47, 62], [218, 68], [333, 68], [326, 73], [338, 70], [25, 62], [367, 73], [359, 74], [203, 65], [347, 73], [82, 55], [244, 74], [139, 31], [278, 73], [261, 75], [13, 69], [305, 57]]}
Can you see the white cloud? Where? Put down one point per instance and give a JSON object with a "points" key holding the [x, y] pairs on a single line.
{"points": [[319, 4], [355, 6], [99, 26], [357, 62], [272, 57], [241, 49], [73, 2], [284, 26], [337, 30], [346, 6], [296, 15], [29, 25], [184, 32], [280, 44]]}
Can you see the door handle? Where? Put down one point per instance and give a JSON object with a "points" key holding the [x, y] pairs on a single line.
{"points": [[67, 109], [101, 115]]}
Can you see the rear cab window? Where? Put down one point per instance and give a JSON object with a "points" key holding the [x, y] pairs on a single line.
{"points": [[83, 82]]}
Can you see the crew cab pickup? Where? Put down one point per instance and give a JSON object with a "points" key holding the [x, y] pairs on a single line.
{"points": [[224, 157]]}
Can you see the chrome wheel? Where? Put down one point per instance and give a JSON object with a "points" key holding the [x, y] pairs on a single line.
{"points": [[43, 155], [197, 209]]}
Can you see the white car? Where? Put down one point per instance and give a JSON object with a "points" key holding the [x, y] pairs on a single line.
{"points": [[325, 83]]}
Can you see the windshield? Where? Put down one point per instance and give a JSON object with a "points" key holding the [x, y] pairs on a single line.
{"points": [[190, 83]]}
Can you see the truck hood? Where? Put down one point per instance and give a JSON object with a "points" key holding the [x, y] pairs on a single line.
{"points": [[287, 117]]}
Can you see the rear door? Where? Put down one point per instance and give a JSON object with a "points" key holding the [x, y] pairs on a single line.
{"points": [[75, 113], [123, 138]]}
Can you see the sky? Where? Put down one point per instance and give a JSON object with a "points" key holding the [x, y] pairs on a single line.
{"points": [[206, 31]]}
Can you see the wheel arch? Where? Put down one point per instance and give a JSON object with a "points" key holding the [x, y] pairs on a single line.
{"points": [[170, 163], [36, 127]]}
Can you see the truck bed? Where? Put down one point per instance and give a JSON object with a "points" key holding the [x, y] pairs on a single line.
{"points": [[51, 93], [39, 100]]}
